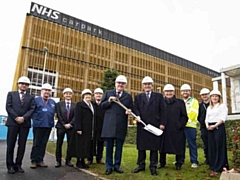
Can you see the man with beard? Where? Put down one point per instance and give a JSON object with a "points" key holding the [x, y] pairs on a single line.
{"points": [[172, 141], [19, 106]]}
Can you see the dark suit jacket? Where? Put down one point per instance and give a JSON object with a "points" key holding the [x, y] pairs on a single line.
{"points": [[115, 120], [153, 113], [15, 108], [62, 116]]}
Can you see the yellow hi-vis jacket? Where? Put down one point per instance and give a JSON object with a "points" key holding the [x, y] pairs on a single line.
{"points": [[192, 106]]}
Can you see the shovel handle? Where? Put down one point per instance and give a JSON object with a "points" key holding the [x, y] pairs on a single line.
{"points": [[124, 107]]}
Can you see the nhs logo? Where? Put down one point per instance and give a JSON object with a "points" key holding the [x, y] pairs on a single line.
{"points": [[43, 11]]}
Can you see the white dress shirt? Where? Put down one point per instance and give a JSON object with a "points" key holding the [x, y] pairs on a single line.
{"points": [[216, 113]]}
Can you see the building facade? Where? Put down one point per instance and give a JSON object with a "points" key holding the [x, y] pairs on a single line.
{"points": [[77, 52]]}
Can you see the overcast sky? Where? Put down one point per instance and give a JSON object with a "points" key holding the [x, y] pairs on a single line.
{"points": [[206, 32]]}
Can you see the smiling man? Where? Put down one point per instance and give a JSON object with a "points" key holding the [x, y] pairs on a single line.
{"points": [[115, 123], [20, 106], [43, 121]]}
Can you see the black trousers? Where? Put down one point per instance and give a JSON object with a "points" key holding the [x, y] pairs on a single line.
{"points": [[60, 137], [99, 151], [40, 139], [163, 156], [153, 159], [204, 136], [13, 133]]}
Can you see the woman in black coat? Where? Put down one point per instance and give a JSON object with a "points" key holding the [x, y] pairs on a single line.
{"points": [[82, 144], [172, 141]]}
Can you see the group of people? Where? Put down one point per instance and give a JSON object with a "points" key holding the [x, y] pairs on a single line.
{"points": [[90, 123]]}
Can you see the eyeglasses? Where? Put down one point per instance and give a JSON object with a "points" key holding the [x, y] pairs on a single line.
{"points": [[24, 84], [121, 83]]}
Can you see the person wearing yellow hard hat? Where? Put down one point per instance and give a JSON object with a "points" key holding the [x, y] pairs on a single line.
{"points": [[64, 126], [216, 116], [19, 106]]}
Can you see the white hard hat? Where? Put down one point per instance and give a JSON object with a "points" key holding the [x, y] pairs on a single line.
{"points": [[168, 87], [147, 79], [185, 87], [215, 92], [121, 78], [204, 91], [68, 90], [47, 86], [24, 79], [98, 90], [86, 91]]}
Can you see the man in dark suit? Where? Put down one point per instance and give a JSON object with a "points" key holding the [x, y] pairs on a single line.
{"points": [[149, 107], [19, 106], [115, 123], [65, 114], [99, 114]]}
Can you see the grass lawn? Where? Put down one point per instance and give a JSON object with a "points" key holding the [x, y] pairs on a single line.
{"points": [[129, 159]]}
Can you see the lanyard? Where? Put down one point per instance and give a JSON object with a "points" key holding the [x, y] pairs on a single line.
{"points": [[44, 103]]}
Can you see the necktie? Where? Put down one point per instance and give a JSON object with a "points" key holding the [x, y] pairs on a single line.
{"points": [[98, 102], [68, 110], [118, 94], [22, 97], [147, 95]]}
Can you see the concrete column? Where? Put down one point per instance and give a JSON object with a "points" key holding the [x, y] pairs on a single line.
{"points": [[215, 84], [224, 92]]}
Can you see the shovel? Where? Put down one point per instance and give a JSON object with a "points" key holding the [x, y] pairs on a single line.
{"points": [[150, 128]]}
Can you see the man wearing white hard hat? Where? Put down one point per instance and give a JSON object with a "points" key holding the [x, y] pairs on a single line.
{"points": [[216, 116], [99, 114], [192, 107], [19, 106], [64, 126], [115, 123], [173, 136], [149, 107], [204, 93], [81, 146], [43, 122]]}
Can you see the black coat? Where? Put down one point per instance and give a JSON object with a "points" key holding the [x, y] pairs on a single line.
{"points": [[115, 120], [172, 141], [99, 114], [15, 109], [62, 116], [151, 112], [202, 114], [81, 146]]}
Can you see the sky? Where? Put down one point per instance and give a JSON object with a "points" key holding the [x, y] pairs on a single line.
{"points": [[206, 32]]}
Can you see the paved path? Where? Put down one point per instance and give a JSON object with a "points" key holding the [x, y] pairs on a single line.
{"points": [[50, 173]]}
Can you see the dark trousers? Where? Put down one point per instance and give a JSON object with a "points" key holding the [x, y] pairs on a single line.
{"points": [[153, 159], [109, 152], [99, 151], [13, 133], [204, 136], [190, 135], [60, 137], [217, 148], [163, 156], [40, 139]]}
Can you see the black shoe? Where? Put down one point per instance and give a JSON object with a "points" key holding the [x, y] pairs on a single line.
{"points": [[161, 166], [20, 169], [178, 167], [138, 169], [108, 171], [68, 163], [154, 172], [57, 164], [118, 170], [11, 171]]}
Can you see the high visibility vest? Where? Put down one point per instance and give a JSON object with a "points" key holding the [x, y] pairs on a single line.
{"points": [[192, 107]]}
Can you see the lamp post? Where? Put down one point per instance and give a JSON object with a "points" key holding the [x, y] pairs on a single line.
{"points": [[159, 89], [44, 66]]}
